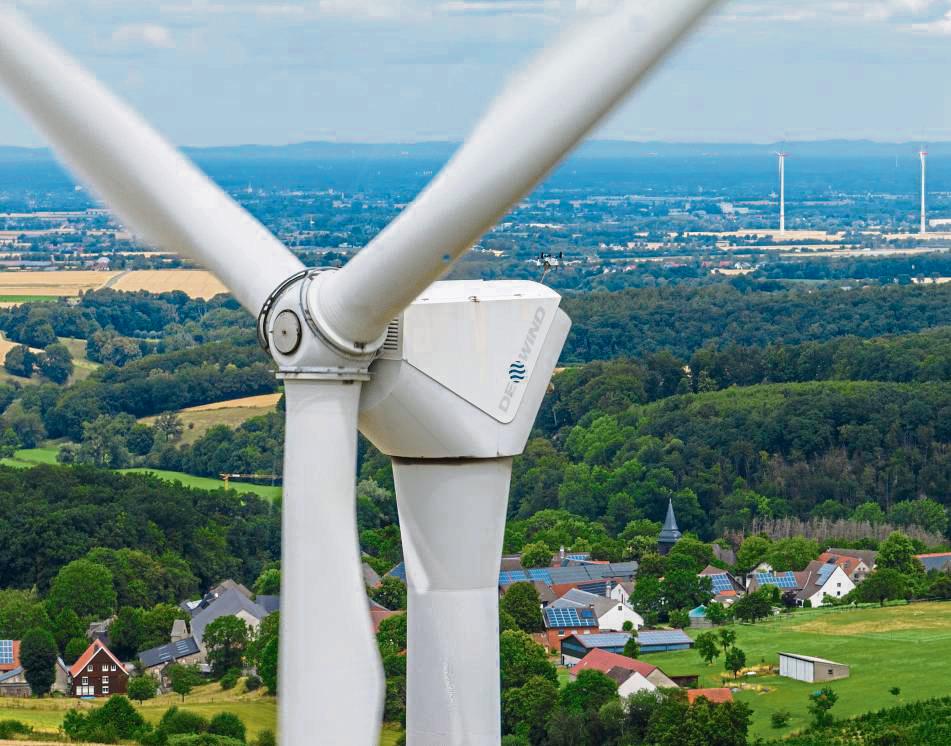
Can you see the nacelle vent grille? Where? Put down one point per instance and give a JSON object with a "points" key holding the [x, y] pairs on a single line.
{"points": [[393, 344]]}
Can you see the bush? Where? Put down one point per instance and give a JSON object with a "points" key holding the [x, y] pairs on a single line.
{"points": [[204, 739], [230, 679], [252, 683], [227, 724], [176, 721], [11, 728], [115, 720], [142, 688], [266, 738], [780, 719]]}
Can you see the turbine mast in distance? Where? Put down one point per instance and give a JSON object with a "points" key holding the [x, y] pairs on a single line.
{"points": [[782, 191], [923, 154]]}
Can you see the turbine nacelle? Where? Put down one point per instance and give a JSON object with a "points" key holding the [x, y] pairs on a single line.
{"points": [[463, 371]]}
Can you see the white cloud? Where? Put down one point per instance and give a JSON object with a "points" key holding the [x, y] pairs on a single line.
{"points": [[144, 34], [938, 27]]}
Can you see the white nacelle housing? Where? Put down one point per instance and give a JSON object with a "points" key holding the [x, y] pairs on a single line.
{"points": [[464, 370]]}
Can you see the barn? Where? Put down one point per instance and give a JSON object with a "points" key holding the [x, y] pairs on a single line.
{"points": [[808, 668]]}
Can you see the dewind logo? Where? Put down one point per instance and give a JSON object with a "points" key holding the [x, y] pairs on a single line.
{"points": [[517, 371]]}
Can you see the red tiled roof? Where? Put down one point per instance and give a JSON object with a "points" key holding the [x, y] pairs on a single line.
{"points": [[934, 554], [714, 695], [603, 661], [90, 653], [4, 667]]}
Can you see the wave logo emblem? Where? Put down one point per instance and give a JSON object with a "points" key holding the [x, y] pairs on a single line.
{"points": [[517, 371]]}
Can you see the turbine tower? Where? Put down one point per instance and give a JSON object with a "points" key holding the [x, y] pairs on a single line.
{"points": [[923, 154], [782, 191], [445, 377]]}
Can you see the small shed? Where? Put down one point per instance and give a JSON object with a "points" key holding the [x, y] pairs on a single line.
{"points": [[811, 669]]}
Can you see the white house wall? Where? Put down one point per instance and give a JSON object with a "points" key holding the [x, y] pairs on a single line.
{"points": [[613, 620], [636, 683], [794, 668]]}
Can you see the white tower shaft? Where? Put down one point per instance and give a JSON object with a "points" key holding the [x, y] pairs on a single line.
{"points": [[782, 192], [924, 221], [452, 518]]}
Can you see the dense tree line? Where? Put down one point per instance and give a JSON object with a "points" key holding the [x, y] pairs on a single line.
{"points": [[54, 515], [634, 323]]}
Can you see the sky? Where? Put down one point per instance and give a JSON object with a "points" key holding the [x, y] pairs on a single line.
{"points": [[226, 72]]}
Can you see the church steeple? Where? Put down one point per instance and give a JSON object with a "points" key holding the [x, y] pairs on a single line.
{"points": [[669, 534]]}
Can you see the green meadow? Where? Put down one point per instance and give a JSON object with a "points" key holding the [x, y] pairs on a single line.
{"points": [[907, 646]]}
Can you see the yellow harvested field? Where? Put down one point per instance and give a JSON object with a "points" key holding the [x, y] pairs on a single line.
{"points": [[263, 401], [196, 283], [59, 283], [775, 234], [6, 345]]}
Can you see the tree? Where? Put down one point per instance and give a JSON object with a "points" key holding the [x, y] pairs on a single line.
{"points": [[753, 606], [707, 647], [882, 585], [631, 648], [590, 690], [679, 618], [820, 703], [169, 425], [127, 631], [229, 725], [56, 363], [924, 512], [727, 637], [21, 611], [733, 660], [268, 582], [521, 659], [19, 361], [183, 678], [267, 666], [66, 627], [717, 613], [84, 587], [391, 593], [696, 553], [391, 634], [226, 640], [897, 552], [526, 709], [536, 554], [141, 688], [38, 658], [522, 602], [792, 554], [869, 512], [74, 649], [752, 551]]}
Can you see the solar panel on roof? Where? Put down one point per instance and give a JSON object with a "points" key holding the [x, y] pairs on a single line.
{"points": [[824, 572], [780, 580], [540, 574], [662, 637], [568, 617], [721, 583], [6, 651]]}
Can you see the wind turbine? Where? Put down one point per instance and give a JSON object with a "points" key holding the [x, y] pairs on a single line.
{"points": [[923, 154], [445, 377], [782, 191]]}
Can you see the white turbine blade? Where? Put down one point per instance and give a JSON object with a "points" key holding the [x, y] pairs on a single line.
{"points": [[161, 195], [536, 121], [331, 679]]}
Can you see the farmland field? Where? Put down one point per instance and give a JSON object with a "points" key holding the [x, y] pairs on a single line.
{"points": [[29, 457], [198, 420], [898, 646], [21, 287]]}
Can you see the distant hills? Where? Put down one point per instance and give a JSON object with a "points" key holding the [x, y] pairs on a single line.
{"points": [[323, 151]]}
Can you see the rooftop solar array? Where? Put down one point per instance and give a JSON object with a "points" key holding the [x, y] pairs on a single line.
{"points": [[604, 640], [824, 572], [662, 637], [570, 617], [6, 652], [780, 580], [580, 557], [721, 583], [575, 574]]}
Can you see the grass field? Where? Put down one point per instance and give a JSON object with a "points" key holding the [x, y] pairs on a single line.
{"points": [[196, 283], [257, 711], [82, 366], [61, 283], [29, 457], [14, 300], [904, 646], [199, 420]]}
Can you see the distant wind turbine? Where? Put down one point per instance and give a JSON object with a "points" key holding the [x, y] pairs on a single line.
{"points": [[782, 191], [923, 154]]}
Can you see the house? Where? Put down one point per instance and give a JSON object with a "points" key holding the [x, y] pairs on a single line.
{"points": [[669, 534], [231, 602], [99, 630], [760, 578], [577, 576], [225, 586], [808, 668], [97, 673], [378, 613], [611, 614], [184, 651], [856, 563], [565, 622], [371, 579], [698, 617], [716, 696], [940, 561], [630, 674], [61, 678], [662, 640], [820, 580], [726, 588], [12, 675], [577, 646], [724, 554]]}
